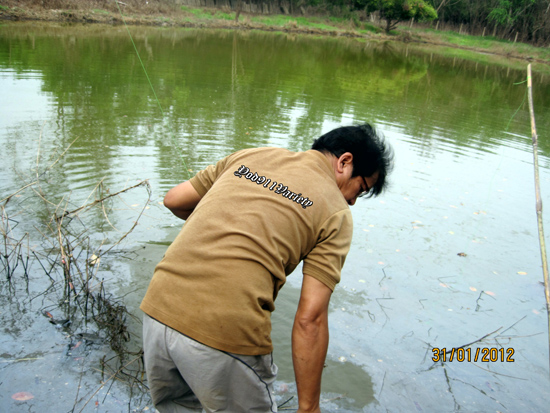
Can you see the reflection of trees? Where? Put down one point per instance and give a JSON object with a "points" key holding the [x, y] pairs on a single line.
{"points": [[474, 103], [247, 87]]}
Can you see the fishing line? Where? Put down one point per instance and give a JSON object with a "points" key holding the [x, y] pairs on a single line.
{"points": [[501, 157], [172, 136], [520, 106]]}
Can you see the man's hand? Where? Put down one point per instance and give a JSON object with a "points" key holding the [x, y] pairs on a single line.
{"points": [[182, 200], [310, 342]]}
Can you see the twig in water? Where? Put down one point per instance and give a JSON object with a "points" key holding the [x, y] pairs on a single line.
{"points": [[285, 402], [479, 298], [16, 192], [61, 156], [91, 204], [512, 325], [110, 378], [382, 387], [498, 374], [478, 340]]}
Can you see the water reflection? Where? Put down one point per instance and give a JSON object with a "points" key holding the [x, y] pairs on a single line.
{"points": [[254, 90]]}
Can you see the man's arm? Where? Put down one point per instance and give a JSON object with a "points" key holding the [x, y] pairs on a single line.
{"points": [[182, 200], [310, 342]]}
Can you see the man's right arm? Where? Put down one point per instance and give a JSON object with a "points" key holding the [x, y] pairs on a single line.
{"points": [[310, 342], [182, 200]]}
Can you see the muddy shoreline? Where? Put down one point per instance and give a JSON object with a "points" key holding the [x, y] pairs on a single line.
{"points": [[174, 19]]}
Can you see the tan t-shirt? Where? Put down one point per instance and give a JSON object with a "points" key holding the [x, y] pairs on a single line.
{"points": [[262, 212]]}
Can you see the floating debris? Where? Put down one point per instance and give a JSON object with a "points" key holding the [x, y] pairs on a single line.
{"points": [[59, 323], [22, 396], [94, 259]]}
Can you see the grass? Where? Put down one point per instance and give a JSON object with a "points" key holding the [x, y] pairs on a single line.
{"points": [[370, 28], [225, 16], [295, 21], [489, 44], [203, 14], [328, 24], [199, 13]]}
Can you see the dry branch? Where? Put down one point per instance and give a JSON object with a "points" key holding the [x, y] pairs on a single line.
{"points": [[538, 197], [69, 262], [97, 201]]}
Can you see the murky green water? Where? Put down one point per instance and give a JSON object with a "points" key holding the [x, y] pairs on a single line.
{"points": [[463, 183]]}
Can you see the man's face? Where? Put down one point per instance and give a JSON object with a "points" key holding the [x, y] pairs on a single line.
{"points": [[353, 187]]}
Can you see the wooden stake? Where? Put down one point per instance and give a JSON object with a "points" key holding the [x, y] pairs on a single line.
{"points": [[538, 197]]}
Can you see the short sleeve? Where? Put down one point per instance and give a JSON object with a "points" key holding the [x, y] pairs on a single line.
{"points": [[326, 259], [204, 179]]}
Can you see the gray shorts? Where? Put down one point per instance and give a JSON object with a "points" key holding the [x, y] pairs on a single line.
{"points": [[187, 376]]}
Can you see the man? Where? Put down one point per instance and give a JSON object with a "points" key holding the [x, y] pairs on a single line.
{"points": [[251, 218]]}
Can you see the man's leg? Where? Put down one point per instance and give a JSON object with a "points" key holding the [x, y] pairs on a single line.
{"points": [[221, 381], [225, 382], [169, 391]]}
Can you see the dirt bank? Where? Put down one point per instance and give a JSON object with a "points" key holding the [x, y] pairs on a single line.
{"points": [[158, 16]]}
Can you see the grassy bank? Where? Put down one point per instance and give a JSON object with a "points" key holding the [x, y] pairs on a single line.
{"points": [[161, 14]]}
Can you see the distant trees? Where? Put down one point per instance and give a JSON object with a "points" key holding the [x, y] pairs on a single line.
{"points": [[526, 20], [395, 11]]}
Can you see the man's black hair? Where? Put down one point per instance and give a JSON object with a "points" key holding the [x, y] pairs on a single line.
{"points": [[370, 152]]}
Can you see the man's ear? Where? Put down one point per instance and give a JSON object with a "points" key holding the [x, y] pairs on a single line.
{"points": [[345, 160]]}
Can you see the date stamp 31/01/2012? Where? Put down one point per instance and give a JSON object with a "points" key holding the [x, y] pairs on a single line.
{"points": [[483, 354]]}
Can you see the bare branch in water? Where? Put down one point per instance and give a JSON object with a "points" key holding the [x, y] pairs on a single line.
{"points": [[70, 261]]}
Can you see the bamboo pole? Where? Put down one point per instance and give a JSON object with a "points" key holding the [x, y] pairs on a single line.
{"points": [[538, 198]]}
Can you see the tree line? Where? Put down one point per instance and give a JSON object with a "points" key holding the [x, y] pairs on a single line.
{"points": [[523, 20], [517, 20]]}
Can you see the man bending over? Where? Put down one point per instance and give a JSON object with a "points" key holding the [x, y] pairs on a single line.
{"points": [[250, 220]]}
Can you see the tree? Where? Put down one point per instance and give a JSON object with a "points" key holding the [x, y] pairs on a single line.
{"points": [[508, 12], [395, 11]]}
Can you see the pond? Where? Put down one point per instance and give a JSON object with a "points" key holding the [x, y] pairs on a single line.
{"points": [[449, 256]]}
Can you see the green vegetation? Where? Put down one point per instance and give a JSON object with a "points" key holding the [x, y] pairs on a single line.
{"points": [[204, 14], [293, 21], [396, 11], [524, 20], [487, 44], [199, 13], [326, 24], [225, 16]]}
